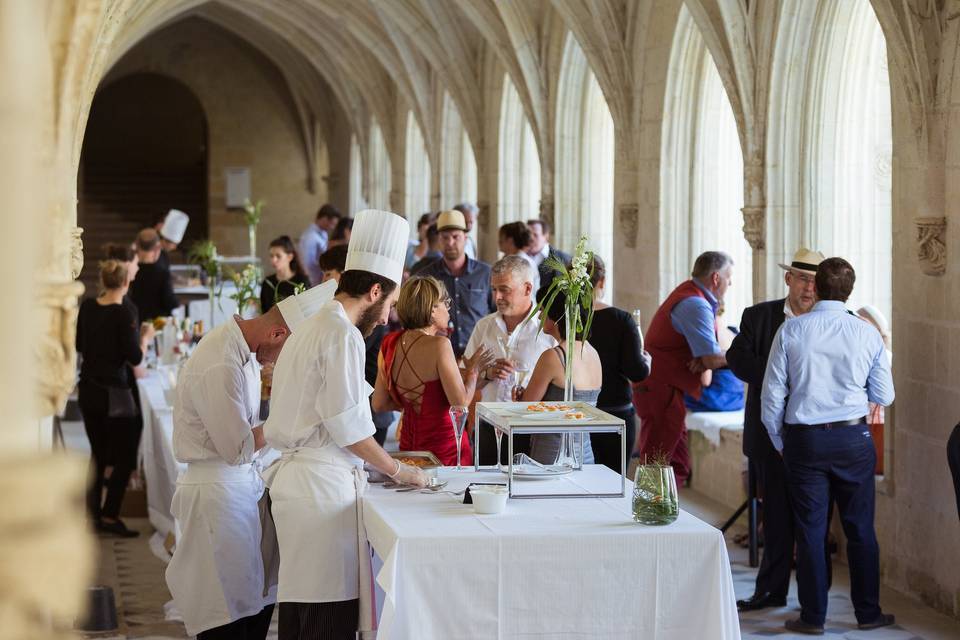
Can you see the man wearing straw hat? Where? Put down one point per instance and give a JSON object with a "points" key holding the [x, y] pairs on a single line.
{"points": [[216, 575], [747, 358], [320, 421]]}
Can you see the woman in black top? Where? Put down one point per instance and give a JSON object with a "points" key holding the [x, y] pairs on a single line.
{"points": [[288, 277], [614, 336], [110, 342]]}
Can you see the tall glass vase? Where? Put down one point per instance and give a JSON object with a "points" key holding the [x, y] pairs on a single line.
{"points": [[569, 442], [211, 295], [252, 234]]}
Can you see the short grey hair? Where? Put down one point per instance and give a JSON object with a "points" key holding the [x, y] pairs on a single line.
{"points": [[467, 207], [518, 268], [710, 262]]}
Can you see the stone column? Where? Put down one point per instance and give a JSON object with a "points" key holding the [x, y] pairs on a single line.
{"points": [[45, 554]]}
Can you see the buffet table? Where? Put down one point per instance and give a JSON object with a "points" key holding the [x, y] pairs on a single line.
{"points": [[160, 468], [547, 568]]}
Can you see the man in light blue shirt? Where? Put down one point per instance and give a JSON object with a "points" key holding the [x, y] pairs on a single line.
{"points": [[824, 367], [313, 241]]}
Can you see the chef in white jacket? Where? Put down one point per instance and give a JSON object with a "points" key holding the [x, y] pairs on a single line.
{"points": [[321, 423], [216, 575]]}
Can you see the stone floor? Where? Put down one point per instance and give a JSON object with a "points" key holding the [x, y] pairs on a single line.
{"points": [[136, 575]]}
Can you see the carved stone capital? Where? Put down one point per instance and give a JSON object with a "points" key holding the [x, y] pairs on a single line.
{"points": [[46, 554], [76, 252], [630, 224], [55, 351], [755, 227], [932, 245]]}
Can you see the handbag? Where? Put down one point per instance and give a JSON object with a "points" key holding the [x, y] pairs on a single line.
{"points": [[120, 403]]}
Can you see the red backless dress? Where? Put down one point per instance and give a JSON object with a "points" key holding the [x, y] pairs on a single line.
{"points": [[426, 422]]}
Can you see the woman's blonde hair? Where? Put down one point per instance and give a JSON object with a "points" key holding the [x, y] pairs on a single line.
{"points": [[113, 274], [418, 296]]}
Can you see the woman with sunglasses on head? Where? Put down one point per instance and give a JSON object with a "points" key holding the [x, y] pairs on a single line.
{"points": [[418, 373]]}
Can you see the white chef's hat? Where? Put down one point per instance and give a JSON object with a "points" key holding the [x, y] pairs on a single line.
{"points": [[174, 225], [298, 308], [378, 244]]}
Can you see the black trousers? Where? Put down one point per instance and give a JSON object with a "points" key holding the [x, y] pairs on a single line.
{"points": [[606, 446], [839, 462], [113, 441], [319, 620], [253, 627], [953, 459]]}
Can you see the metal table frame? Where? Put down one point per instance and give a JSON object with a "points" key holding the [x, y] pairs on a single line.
{"points": [[602, 423]]}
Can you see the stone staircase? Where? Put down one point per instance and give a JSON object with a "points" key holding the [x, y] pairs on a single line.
{"points": [[117, 202]]}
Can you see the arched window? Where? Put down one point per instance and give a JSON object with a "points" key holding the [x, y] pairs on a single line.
{"points": [[585, 157], [518, 192], [848, 176], [701, 180], [357, 201], [379, 184], [417, 173], [458, 176]]}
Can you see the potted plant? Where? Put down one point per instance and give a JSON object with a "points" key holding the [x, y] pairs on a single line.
{"points": [[204, 254], [252, 213]]}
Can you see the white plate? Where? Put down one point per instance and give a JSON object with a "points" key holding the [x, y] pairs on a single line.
{"points": [[558, 416], [533, 472]]}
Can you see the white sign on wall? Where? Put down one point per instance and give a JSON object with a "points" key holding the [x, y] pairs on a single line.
{"points": [[238, 185]]}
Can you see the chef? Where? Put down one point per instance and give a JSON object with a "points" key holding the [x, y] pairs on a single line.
{"points": [[321, 423], [171, 234], [216, 575]]}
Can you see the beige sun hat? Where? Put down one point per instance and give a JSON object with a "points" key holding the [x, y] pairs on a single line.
{"points": [[452, 219], [804, 261]]}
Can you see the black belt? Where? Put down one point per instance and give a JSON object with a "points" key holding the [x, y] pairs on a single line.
{"points": [[830, 425]]}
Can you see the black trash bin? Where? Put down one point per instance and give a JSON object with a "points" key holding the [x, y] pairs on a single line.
{"points": [[101, 610]]}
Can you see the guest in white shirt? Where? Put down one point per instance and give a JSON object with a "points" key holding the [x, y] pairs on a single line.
{"points": [[314, 240], [511, 280], [216, 575]]}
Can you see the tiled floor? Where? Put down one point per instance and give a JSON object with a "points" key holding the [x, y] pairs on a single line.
{"points": [[136, 576]]}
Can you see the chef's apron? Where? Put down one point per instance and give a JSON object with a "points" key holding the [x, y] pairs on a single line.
{"points": [[324, 555], [216, 575]]}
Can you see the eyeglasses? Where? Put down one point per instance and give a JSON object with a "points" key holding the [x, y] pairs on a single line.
{"points": [[445, 302]]}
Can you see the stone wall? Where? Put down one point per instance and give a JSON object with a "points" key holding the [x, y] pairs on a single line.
{"points": [[251, 123]]}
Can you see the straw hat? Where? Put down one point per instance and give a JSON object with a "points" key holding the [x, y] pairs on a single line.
{"points": [[449, 220], [804, 261]]}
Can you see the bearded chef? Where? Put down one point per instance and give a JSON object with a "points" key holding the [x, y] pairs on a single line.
{"points": [[321, 423], [216, 575]]}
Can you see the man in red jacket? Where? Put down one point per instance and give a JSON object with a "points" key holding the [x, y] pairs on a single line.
{"points": [[682, 339]]}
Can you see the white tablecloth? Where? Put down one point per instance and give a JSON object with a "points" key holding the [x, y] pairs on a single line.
{"points": [[160, 468], [552, 568], [709, 423]]}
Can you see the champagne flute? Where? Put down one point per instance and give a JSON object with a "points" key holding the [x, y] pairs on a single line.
{"points": [[458, 416], [636, 318]]}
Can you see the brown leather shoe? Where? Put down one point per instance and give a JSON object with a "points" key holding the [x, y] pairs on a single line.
{"points": [[883, 620], [799, 626]]}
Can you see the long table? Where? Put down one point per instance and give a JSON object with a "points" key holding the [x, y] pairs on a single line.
{"points": [[548, 568], [160, 468]]}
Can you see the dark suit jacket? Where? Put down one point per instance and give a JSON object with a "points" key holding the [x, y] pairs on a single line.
{"points": [[747, 358], [546, 273]]}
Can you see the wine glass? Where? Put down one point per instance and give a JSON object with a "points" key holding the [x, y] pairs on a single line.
{"points": [[458, 416], [636, 318]]}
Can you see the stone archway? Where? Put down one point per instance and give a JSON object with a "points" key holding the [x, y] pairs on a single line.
{"points": [[144, 152]]}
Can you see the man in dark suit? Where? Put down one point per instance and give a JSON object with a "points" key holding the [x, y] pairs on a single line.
{"points": [[747, 358], [540, 250]]}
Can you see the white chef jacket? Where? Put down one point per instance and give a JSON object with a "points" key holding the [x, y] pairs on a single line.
{"points": [[216, 574], [530, 343], [320, 405]]}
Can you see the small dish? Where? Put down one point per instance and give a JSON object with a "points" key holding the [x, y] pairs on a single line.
{"points": [[488, 500]]}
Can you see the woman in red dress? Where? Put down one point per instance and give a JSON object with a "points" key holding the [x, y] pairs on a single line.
{"points": [[418, 373]]}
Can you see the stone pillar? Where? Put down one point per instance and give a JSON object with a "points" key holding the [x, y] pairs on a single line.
{"points": [[45, 555]]}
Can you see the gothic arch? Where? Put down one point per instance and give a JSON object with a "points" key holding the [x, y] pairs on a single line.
{"points": [[519, 168]]}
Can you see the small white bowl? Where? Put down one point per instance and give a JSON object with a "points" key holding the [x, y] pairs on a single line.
{"points": [[488, 500]]}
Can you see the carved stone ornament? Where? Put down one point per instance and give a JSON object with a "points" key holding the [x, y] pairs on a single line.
{"points": [[46, 555], [630, 224], [483, 216], [932, 245], [76, 252], [55, 350], [755, 227]]}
